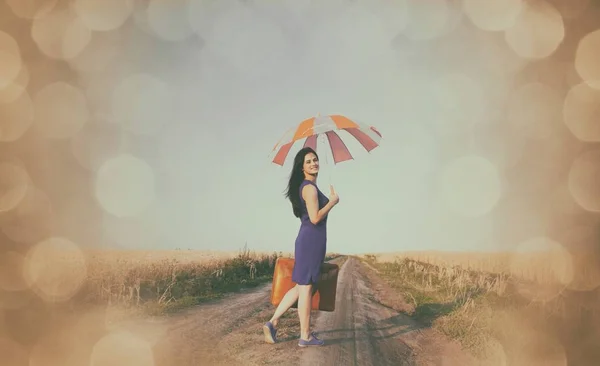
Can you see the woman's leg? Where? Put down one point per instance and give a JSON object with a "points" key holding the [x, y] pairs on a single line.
{"points": [[304, 307], [288, 300]]}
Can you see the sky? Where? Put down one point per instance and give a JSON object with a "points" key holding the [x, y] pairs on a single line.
{"points": [[154, 122]]}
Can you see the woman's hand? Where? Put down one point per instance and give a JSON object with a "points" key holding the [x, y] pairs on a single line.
{"points": [[333, 197]]}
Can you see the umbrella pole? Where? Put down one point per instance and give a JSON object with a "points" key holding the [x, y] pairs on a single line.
{"points": [[326, 152], [330, 170]]}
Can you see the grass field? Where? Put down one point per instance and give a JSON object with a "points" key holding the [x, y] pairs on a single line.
{"points": [[164, 281], [154, 282], [59, 301], [539, 266], [506, 308]]}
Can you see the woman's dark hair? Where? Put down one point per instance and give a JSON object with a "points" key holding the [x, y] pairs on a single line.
{"points": [[296, 178]]}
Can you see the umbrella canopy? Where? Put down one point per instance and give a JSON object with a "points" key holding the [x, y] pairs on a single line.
{"points": [[310, 129]]}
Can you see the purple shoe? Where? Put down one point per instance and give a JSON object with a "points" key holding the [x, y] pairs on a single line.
{"points": [[270, 333], [314, 341]]}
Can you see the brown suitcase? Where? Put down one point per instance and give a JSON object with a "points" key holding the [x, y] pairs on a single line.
{"points": [[323, 298]]}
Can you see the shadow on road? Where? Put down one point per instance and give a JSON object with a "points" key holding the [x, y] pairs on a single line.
{"points": [[383, 329], [426, 314]]}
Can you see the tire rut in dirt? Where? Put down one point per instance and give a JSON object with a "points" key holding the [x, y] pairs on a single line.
{"points": [[360, 331]]}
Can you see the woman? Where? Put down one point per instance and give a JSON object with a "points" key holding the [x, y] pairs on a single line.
{"points": [[311, 206]]}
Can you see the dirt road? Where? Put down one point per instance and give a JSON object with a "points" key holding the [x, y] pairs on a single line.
{"points": [[362, 331]]}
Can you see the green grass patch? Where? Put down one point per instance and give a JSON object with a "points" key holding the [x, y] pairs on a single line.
{"points": [[156, 308], [485, 312], [458, 305]]}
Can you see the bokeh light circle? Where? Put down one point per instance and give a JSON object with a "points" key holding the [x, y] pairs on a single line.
{"points": [[562, 201], [15, 89], [103, 15], [31, 9], [583, 180], [587, 59], [99, 55], [55, 268], [60, 34], [525, 36], [125, 186], [551, 262], [493, 15], [10, 59], [581, 112], [582, 241]]}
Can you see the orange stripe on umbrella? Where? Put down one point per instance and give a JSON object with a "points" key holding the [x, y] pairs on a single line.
{"points": [[305, 129], [343, 122]]}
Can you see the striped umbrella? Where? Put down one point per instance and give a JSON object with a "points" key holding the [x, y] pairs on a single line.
{"points": [[310, 129]]}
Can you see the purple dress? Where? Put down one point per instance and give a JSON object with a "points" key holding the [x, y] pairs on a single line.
{"points": [[311, 243]]}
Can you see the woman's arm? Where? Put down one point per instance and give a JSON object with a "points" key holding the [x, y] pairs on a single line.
{"points": [[309, 193]]}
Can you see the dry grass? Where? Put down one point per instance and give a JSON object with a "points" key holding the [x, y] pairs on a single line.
{"points": [[544, 266], [159, 281], [109, 257], [500, 306]]}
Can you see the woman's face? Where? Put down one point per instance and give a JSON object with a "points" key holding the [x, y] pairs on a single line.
{"points": [[311, 164]]}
